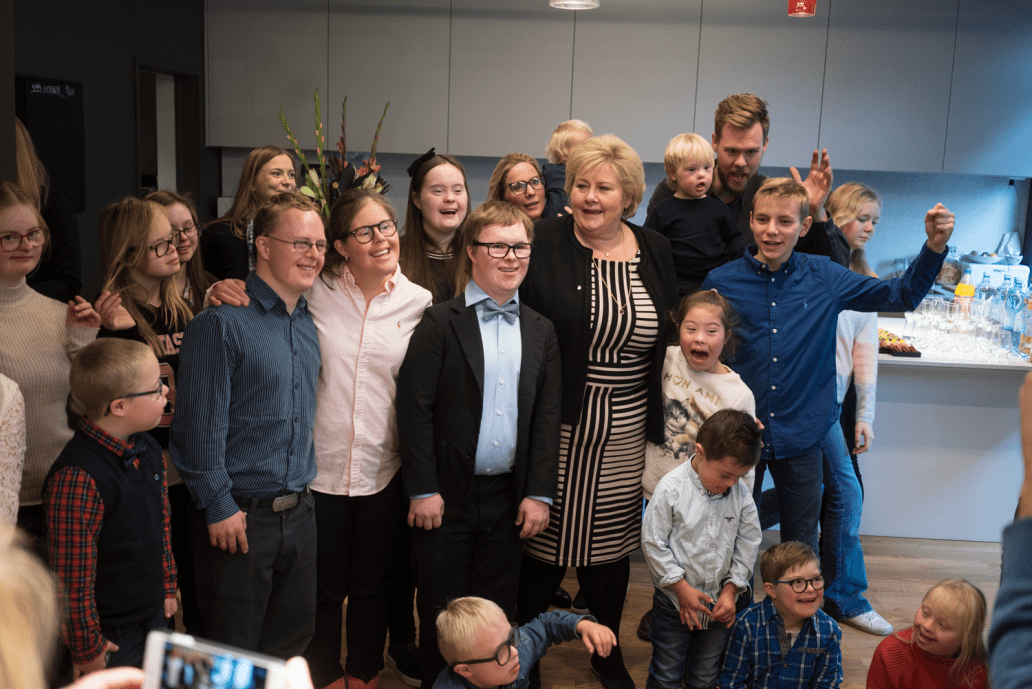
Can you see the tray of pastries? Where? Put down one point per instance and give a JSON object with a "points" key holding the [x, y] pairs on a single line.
{"points": [[890, 343]]}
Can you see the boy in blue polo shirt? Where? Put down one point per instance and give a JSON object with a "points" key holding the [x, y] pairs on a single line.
{"points": [[789, 304]]}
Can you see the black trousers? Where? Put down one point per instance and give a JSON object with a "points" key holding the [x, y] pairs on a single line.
{"points": [[357, 542], [604, 587], [475, 553], [262, 600]]}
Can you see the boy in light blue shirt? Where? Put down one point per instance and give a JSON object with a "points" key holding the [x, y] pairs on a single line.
{"points": [[700, 536]]}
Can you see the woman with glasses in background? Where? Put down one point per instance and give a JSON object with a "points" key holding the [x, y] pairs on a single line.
{"points": [[517, 179], [193, 281], [38, 339]]}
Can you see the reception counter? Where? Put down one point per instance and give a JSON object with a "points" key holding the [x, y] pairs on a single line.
{"points": [[946, 458]]}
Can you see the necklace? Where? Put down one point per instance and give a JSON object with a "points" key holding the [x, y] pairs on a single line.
{"points": [[620, 307], [623, 239]]}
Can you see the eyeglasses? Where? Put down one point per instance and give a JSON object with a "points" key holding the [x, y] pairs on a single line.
{"points": [[12, 241], [364, 234], [302, 246], [520, 187], [159, 390], [163, 247], [189, 231], [799, 585], [501, 250], [503, 654]]}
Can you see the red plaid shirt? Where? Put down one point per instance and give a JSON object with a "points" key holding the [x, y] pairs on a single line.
{"points": [[75, 515]]}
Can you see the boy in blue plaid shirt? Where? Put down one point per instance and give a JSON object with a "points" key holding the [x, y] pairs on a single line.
{"points": [[785, 641]]}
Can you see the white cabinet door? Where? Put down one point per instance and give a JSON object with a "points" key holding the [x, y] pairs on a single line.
{"points": [[510, 76], [887, 84], [262, 56], [753, 46], [391, 50], [634, 69], [990, 128]]}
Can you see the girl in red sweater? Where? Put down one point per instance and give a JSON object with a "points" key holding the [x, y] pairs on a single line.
{"points": [[944, 648]]}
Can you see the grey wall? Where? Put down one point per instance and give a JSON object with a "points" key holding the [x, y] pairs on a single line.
{"points": [[99, 43]]}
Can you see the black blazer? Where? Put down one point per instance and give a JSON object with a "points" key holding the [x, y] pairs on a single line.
{"points": [[440, 401], [558, 284]]}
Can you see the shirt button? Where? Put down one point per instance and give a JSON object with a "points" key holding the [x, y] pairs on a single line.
{"points": [[495, 443], [773, 330], [772, 279], [773, 387], [501, 382], [773, 303], [772, 415], [498, 412], [775, 360]]}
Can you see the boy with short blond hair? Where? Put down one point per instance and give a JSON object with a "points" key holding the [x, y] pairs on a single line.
{"points": [[785, 640], [483, 650], [700, 228], [700, 536], [788, 305], [106, 505]]}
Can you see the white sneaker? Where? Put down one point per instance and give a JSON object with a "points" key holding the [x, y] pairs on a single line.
{"points": [[870, 622]]}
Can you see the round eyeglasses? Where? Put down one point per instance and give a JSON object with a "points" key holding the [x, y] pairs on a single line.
{"points": [[12, 240], [364, 234], [161, 248], [799, 585], [302, 246], [501, 250], [521, 186], [504, 653]]}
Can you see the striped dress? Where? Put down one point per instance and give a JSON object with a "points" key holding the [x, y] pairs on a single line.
{"points": [[596, 516]]}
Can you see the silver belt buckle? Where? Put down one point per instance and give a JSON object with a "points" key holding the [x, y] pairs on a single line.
{"points": [[284, 502]]}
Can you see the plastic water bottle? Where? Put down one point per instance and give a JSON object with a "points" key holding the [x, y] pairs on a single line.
{"points": [[998, 310], [984, 291], [1016, 318]]}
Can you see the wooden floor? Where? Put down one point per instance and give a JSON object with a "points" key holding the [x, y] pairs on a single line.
{"points": [[899, 571]]}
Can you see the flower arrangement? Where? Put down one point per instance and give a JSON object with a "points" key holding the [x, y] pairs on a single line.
{"points": [[324, 187]]}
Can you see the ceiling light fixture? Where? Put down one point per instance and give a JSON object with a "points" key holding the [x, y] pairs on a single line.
{"points": [[801, 8], [574, 4]]}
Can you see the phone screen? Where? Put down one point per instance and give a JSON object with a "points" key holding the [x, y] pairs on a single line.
{"points": [[191, 668]]}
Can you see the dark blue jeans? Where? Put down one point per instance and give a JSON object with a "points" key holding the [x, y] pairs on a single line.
{"points": [[263, 600], [681, 655], [131, 640]]}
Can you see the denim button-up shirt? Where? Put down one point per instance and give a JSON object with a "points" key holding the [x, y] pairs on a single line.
{"points": [[788, 319], [245, 403]]}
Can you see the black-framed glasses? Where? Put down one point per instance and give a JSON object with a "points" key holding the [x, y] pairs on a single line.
{"points": [[302, 246], [146, 393], [165, 245], [799, 585], [504, 653], [12, 240], [521, 186], [189, 231], [501, 249], [364, 234]]}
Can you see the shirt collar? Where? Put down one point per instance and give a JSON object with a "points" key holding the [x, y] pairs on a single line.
{"points": [[259, 291], [475, 294], [348, 279], [116, 445], [756, 264]]}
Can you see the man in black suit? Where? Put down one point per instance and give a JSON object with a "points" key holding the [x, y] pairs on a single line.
{"points": [[478, 422]]}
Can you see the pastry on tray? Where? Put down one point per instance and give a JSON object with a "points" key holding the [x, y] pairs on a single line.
{"points": [[895, 345]]}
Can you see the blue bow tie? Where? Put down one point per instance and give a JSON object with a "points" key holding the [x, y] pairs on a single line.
{"points": [[509, 312], [131, 453]]}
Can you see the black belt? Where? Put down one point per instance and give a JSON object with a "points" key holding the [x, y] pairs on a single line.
{"points": [[280, 503]]}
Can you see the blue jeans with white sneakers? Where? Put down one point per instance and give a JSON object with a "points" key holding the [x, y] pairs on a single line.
{"points": [[842, 559]]}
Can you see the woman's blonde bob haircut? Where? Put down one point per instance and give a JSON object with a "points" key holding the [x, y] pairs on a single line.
{"points": [[613, 152]]}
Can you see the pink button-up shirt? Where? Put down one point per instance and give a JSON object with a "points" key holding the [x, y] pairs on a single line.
{"points": [[356, 433]]}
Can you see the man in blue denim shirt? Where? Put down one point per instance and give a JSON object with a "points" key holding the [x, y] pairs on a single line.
{"points": [[242, 439], [789, 305]]}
